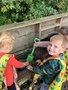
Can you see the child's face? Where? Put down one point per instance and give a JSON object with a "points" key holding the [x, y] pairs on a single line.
{"points": [[7, 48], [55, 48]]}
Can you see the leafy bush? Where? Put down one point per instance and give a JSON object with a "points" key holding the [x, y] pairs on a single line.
{"points": [[12, 11]]}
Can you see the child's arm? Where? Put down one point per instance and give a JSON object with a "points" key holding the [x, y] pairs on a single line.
{"points": [[17, 64], [5, 83], [15, 78], [15, 73], [41, 44]]}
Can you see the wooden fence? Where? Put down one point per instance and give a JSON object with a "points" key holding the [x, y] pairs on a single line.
{"points": [[26, 31]]}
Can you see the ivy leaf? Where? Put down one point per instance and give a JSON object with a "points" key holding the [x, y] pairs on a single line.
{"points": [[3, 9]]}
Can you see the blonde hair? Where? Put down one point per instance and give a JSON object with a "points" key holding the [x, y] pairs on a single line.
{"points": [[58, 38], [6, 37]]}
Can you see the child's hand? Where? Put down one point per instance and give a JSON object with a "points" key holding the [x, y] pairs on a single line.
{"points": [[26, 63], [36, 44], [29, 67], [15, 74], [39, 62], [5, 83]]}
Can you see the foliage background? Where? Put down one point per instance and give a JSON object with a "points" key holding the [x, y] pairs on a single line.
{"points": [[12, 11]]}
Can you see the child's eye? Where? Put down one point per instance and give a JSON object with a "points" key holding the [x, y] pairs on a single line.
{"points": [[50, 44], [56, 47]]}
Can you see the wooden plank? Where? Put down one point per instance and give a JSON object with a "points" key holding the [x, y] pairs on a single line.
{"points": [[65, 19], [52, 26], [24, 76], [31, 22], [37, 30], [45, 33], [24, 42], [48, 23], [40, 30]]}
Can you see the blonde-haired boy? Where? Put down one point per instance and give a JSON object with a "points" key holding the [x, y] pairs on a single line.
{"points": [[8, 61], [53, 69]]}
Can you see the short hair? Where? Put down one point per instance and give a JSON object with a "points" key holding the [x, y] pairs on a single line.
{"points": [[57, 38], [63, 30], [6, 37]]}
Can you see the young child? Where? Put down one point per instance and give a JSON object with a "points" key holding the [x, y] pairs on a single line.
{"points": [[64, 31], [8, 61], [53, 69]]}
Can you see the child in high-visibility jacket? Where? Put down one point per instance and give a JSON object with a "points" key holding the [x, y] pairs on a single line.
{"points": [[53, 69], [8, 61], [64, 31]]}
